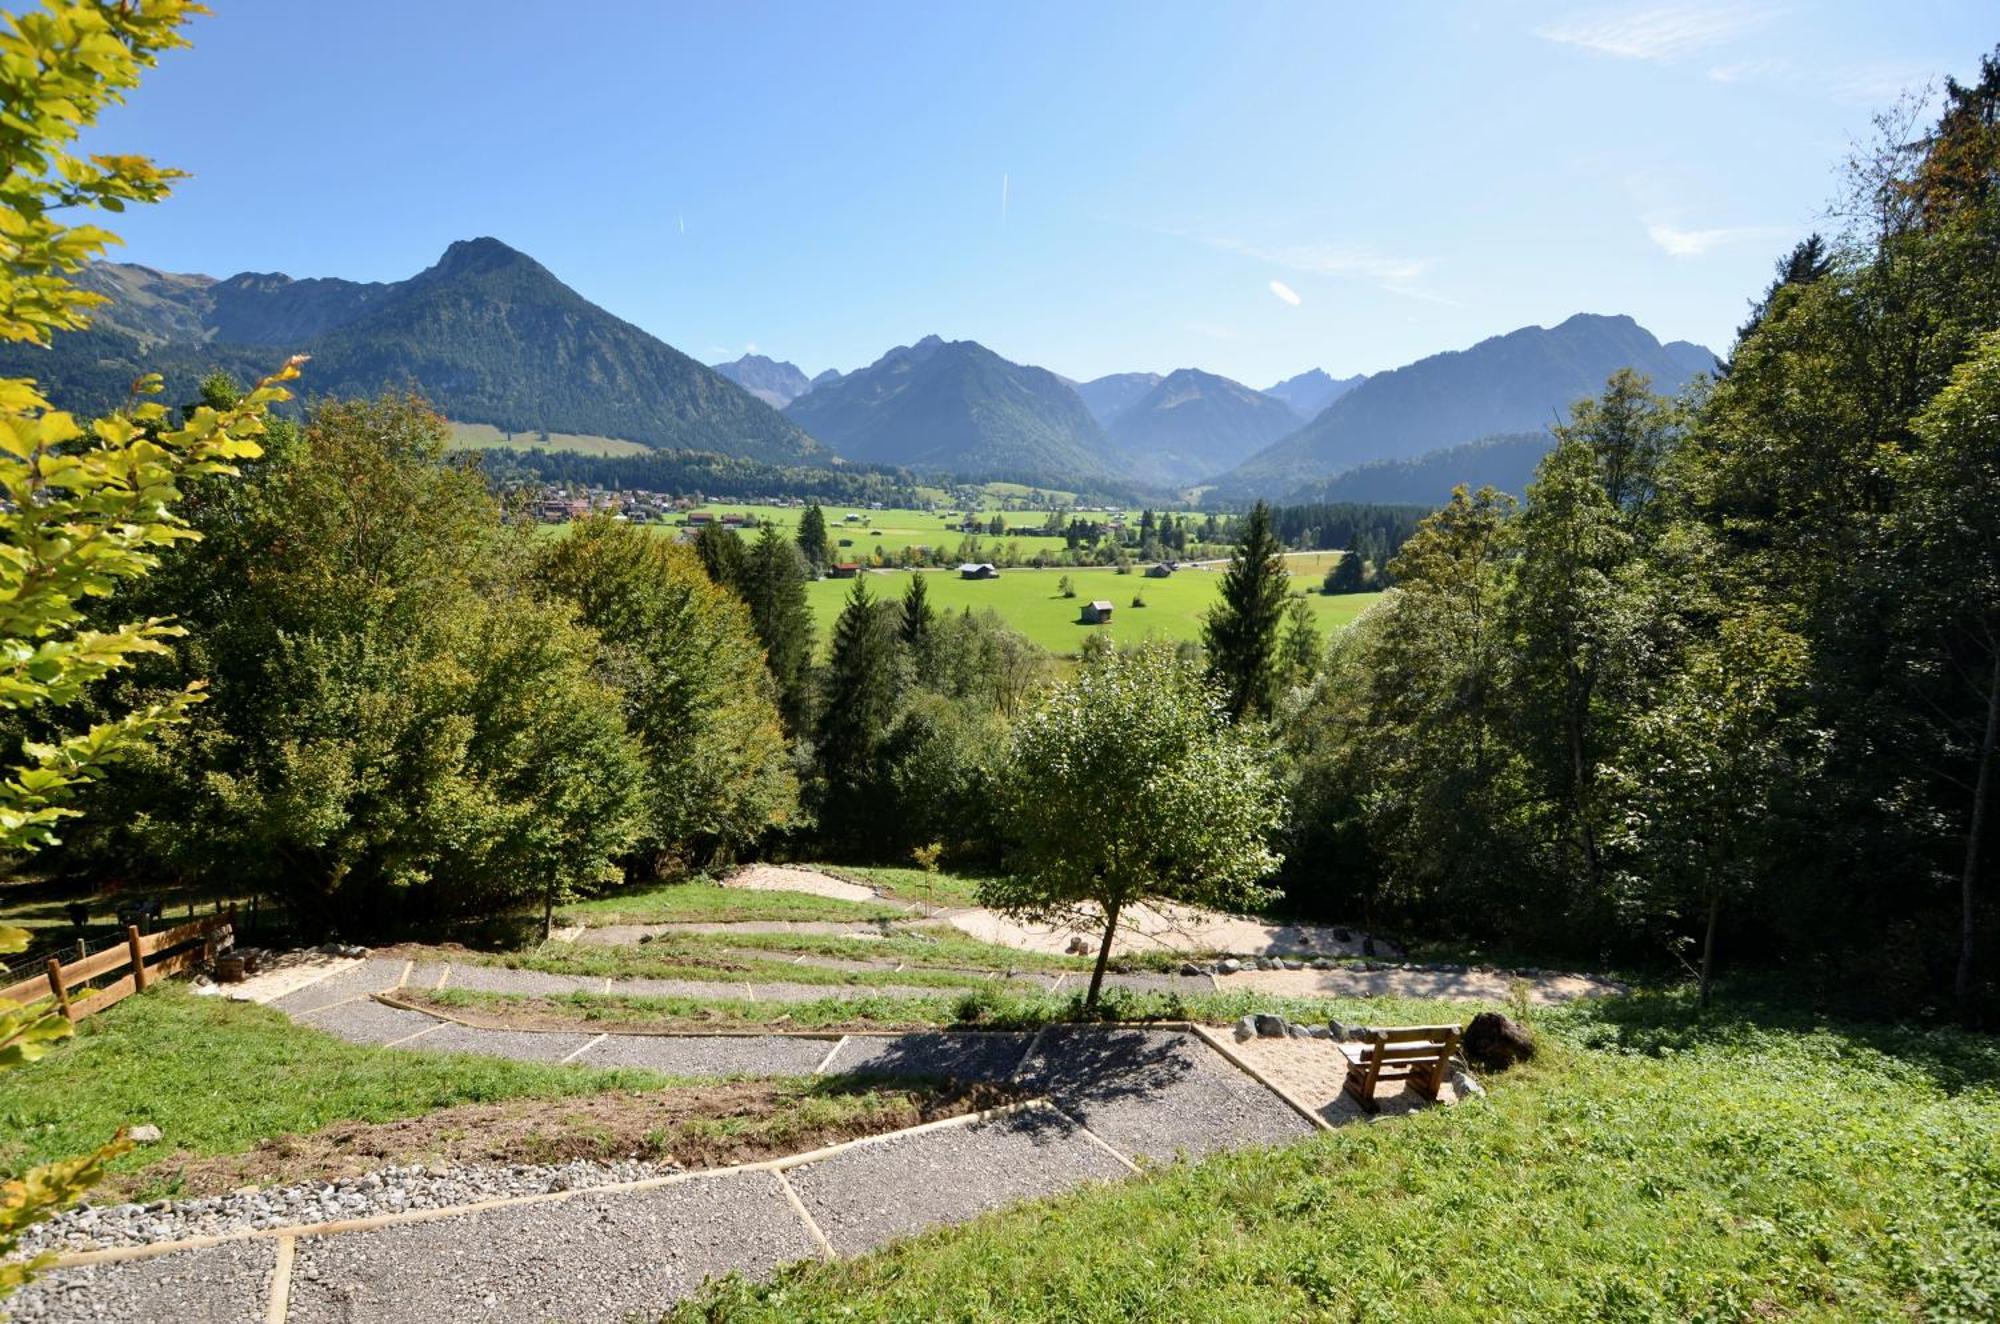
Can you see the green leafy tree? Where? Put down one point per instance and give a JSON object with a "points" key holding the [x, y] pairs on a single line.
{"points": [[1241, 632], [1129, 783], [1948, 533], [90, 504], [774, 584], [814, 544], [681, 651]]}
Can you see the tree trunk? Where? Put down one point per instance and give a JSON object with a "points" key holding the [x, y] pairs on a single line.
{"points": [[1708, 947], [548, 912], [1982, 793], [1103, 956]]}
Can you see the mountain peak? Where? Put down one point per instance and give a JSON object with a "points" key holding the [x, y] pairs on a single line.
{"points": [[470, 257]]}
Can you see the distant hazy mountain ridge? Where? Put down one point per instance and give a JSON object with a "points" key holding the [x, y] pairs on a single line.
{"points": [[1313, 390], [955, 406], [1519, 382], [1193, 424], [776, 384]]}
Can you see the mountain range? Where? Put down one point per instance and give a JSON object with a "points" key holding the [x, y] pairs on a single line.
{"points": [[487, 334], [491, 336], [1520, 382], [776, 384], [954, 406]]}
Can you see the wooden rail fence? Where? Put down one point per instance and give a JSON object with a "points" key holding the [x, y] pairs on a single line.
{"points": [[169, 951]]}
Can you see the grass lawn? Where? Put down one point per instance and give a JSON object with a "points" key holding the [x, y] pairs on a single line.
{"points": [[1651, 1166], [486, 437], [943, 888], [217, 1076], [674, 903], [686, 957], [987, 1007], [1030, 601]]}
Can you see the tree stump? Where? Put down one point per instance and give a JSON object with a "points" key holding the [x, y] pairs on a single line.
{"points": [[1492, 1042]]}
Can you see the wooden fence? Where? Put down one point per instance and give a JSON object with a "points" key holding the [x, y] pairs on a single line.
{"points": [[144, 957]]}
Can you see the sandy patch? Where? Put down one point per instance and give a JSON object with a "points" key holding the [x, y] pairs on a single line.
{"points": [[776, 878], [1449, 985], [287, 972], [1163, 927]]}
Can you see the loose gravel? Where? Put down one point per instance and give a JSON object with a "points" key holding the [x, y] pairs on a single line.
{"points": [[368, 1021], [968, 1057], [1157, 1093], [874, 1193], [501, 979], [707, 1055], [521, 1045], [226, 1284], [601, 1256], [391, 1190], [375, 975]]}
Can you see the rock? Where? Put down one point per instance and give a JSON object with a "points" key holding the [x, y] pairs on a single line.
{"points": [[1336, 1030], [1264, 963], [1246, 1028], [1465, 1087], [1190, 968], [1269, 1025], [1342, 935], [1228, 966], [1290, 964], [1494, 1043], [1321, 963], [144, 1135]]}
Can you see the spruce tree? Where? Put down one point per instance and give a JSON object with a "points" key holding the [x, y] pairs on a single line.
{"points": [[774, 585], [918, 618], [721, 553], [1241, 632], [813, 544], [863, 685]]}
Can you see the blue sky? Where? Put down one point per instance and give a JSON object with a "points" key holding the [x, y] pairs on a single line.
{"points": [[1095, 187]]}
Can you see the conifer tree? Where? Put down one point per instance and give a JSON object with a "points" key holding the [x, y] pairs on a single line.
{"points": [[813, 544], [1241, 632], [858, 708], [918, 618], [774, 586]]}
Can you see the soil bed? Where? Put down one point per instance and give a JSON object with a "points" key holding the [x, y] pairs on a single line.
{"points": [[689, 1126]]}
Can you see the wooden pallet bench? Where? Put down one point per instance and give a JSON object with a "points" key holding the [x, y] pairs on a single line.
{"points": [[1419, 1054]]}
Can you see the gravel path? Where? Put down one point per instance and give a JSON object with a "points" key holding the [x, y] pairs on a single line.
{"points": [[710, 1055], [871, 1194], [963, 1056], [1157, 1093], [590, 1257], [225, 1284], [368, 1022]]}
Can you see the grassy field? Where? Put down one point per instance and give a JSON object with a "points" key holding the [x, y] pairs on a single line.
{"points": [[217, 1076], [707, 903], [1652, 1165], [1031, 602], [486, 437]]}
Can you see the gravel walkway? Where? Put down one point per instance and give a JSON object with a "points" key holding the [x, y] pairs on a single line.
{"points": [[226, 1284], [875, 1193], [709, 1055], [590, 1257]]}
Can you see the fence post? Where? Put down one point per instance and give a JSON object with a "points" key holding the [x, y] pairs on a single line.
{"points": [[138, 957], [56, 987]]}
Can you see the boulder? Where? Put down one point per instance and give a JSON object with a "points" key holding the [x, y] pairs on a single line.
{"points": [[1190, 968], [1246, 1028], [1492, 1042], [1270, 1025], [1464, 1086], [144, 1135], [1228, 966]]}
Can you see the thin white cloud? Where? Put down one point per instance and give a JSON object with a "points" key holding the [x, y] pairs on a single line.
{"points": [[1751, 71], [1879, 84], [1397, 275], [1286, 292], [1659, 32], [1676, 242]]}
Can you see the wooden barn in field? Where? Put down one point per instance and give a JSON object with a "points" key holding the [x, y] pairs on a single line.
{"points": [[979, 570], [843, 570], [1097, 613]]}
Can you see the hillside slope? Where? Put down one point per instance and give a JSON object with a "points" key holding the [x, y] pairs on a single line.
{"points": [[1518, 382], [1192, 424], [957, 406], [487, 334]]}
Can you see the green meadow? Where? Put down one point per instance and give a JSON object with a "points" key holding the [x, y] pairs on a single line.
{"points": [[1031, 600], [486, 437]]}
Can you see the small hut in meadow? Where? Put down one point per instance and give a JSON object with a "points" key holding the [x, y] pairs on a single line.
{"points": [[1096, 613]]}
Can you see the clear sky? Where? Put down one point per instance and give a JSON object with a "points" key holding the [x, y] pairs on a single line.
{"points": [[1092, 186]]}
